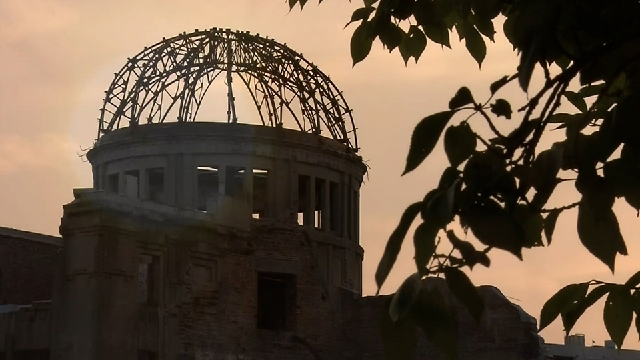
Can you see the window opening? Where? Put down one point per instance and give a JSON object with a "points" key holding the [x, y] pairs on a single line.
{"points": [[304, 188], [132, 183], [147, 280], [155, 184], [208, 183], [276, 301], [113, 183], [319, 203], [260, 193]]}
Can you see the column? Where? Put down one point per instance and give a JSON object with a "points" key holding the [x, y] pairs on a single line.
{"points": [[143, 184], [247, 187], [170, 181], [345, 227], [325, 206]]}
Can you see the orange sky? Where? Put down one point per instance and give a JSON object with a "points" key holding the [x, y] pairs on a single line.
{"points": [[58, 56]]}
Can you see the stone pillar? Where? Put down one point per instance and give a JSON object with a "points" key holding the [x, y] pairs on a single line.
{"points": [[170, 180], [96, 305], [247, 187], [344, 195], [143, 184], [326, 208], [189, 182]]}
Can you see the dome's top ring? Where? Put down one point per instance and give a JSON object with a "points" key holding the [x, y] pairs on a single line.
{"points": [[167, 82]]}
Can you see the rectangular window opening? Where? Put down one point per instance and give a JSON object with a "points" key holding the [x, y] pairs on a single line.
{"points": [[148, 273], [132, 183], [276, 301], [208, 182], [319, 203], [260, 193], [113, 183], [155, 184], [305, 215], [234, 181]]}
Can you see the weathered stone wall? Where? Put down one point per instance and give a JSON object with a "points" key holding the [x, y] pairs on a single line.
{"points": [[221, 322], [26, 266]]}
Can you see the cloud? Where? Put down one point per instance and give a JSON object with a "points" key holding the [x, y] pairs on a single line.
{"points": [[22, 19], [42, 151]]}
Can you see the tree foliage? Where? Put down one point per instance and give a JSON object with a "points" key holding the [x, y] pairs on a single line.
{"points": [[497, 187]]}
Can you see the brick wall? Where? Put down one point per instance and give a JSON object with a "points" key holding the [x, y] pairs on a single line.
{"points": [[26, 266], [221, 322]]}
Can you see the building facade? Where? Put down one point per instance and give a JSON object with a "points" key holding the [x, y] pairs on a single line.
{"points": [[211, 241]]}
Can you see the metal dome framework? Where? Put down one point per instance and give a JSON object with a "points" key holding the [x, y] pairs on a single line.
{"points": [[177, 72]]}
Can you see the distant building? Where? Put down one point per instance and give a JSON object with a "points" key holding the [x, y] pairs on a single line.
{"points": [[217, 241], [574, 348]]}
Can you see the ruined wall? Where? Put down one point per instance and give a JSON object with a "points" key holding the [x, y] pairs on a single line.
{"points": [[26, 266], [505, 332], [221, 321]]}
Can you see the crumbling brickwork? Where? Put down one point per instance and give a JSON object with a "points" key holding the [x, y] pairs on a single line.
{"points": [[26, 263]]}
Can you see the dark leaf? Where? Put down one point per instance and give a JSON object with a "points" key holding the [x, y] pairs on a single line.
{"points": [[599, 231], [449, 177], [550, 224], [399, 338], [425, 137], [485, 26], [618, 314], [435, 319], [469, 253], [577, 100], [487, 9], [404, 298], [531, 223], [462, 287], [591, 90], [633, 280], [424, 241], [438, 211], [403, 9], [395, 243], [361, 42], [439, 34], [498, 84], [474, 43], [391, 36], [561, 301], [570, 316], [461, 98], [501, 107], [527, 64], [361, 14], [369, 2], [417, 42], [547, 165], [493, 226], [459, 143]]}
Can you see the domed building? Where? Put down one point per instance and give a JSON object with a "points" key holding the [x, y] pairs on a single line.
{"points": [[216, 240]]}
